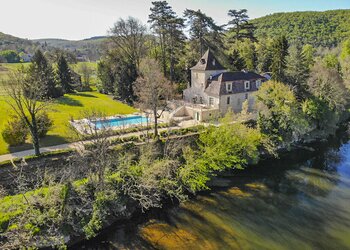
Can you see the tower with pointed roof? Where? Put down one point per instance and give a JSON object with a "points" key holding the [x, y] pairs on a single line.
{"points": [[207, 66]]}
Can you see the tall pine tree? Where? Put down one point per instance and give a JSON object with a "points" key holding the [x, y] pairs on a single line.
{"points": [[203, 31], [297, 71], [239, 26], [41, 71], [279, 55], [64, 76], [169, 29]]}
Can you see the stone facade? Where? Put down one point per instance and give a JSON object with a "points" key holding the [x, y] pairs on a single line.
{"points": [[214, 88]]}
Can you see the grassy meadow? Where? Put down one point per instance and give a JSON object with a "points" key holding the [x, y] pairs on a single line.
{"points": [[61, 111]]}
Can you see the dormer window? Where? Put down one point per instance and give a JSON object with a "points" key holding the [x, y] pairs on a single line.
{"points": [[214, 62], [247, 85], [229, 87], [258, 84]]}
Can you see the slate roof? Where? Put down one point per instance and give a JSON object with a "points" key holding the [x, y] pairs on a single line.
{"points": [[235, 76], [217, 84], [208, 62]]}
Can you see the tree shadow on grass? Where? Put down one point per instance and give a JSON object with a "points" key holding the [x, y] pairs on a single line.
{"points": [[84, 95], [66, 100], [25, 146], [51, 140], [47, 141]]}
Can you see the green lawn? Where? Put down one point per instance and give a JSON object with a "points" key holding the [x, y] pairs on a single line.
{"points": [[61, 111], [5, 68]]}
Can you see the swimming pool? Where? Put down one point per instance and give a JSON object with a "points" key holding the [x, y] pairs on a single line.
{"points": [[120, 122]]}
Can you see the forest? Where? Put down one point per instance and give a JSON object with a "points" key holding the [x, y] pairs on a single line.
{"points": [[326, 29]]}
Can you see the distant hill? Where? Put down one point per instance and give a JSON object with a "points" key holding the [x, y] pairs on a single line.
{"points": [[325, 29], [8, 42], [89, 49]]}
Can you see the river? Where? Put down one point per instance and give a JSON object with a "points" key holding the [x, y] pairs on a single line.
{"points": [[300, 202]]}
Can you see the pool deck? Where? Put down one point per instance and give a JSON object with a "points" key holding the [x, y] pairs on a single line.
{"points": [[83, 126]]}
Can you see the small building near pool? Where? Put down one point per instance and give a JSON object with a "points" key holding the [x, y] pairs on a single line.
{"points": [[214, 90]]}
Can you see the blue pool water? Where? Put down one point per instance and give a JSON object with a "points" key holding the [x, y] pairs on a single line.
{"points": [[120, 122]]}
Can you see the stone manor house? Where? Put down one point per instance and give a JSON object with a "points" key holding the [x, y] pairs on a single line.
{"points": [[213, 89]]}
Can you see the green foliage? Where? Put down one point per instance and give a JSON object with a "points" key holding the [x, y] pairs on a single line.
{"points": [[169, 29], [229, 146], [41, 71], [327, 85], [239, 26], [44, 124], [8, 42], [64, 76], [319, 114], [101, 206], [279, 54], [309, 53], [236, 61], [279, 117], [150, 178], [264, 55], [24, 216], [204, 33], [247, 51], [297, 71], [10, 56], [106, 77], [326, 29], [15, 132], [331, 61], [345, 49], [117, 76]]}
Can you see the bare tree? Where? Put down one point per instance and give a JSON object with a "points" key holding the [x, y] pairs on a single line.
{"points": [[153, 90], [25, 99], [128, 36], [94, 145]]}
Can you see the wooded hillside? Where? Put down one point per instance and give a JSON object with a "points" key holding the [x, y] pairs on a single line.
{"points": [[325, 29]]}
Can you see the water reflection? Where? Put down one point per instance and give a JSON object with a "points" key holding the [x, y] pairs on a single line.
{"points": [[275, 206]]}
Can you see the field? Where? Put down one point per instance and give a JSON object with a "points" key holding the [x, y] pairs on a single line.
{"points": [[61, 111], [5, 68]]}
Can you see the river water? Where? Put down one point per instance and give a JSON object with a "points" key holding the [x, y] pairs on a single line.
{"points": [[300, 202]]}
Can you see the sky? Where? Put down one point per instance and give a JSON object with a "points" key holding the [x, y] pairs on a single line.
{"points": [[79, 19]]}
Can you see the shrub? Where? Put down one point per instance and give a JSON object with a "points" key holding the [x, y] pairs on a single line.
{"points": [[15, 132], [44, 124]]}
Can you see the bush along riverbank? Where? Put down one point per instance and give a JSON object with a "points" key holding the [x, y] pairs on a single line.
{"points": [[101, 186]]}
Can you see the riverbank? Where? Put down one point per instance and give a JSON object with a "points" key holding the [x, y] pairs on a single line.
{"points": [[297, 201], [234, 183]]}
